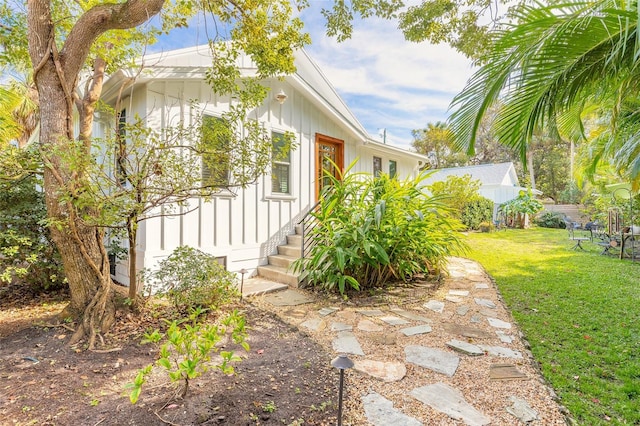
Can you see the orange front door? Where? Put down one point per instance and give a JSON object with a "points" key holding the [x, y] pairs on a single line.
{"points": [[328, 150]]}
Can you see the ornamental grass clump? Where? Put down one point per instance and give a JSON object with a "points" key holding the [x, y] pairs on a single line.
{"points": [[375, 231]]}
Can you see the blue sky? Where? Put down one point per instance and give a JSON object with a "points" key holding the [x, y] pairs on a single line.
{"points": [[388, 83]]}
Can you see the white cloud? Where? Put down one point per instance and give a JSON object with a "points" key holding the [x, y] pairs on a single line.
{"points": [[387, 81]]}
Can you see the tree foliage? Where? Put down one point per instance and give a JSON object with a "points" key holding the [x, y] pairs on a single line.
{"points": [[460, 195], [553, 67]]}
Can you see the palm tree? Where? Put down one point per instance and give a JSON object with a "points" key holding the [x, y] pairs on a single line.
{"points": [[547, 70]]}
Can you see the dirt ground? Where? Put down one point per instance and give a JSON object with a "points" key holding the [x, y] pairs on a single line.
{"points": [[284, 379]]}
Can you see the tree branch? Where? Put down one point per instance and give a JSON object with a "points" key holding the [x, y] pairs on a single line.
{"points": [[99, 19]]}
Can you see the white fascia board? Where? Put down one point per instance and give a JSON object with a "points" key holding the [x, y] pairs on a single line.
{"points": [[394, 150]]}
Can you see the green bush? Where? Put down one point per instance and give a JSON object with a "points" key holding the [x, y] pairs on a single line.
{"points": [[550, 220], [186, 354], [476, 211], [374, 231], [191, 278], [27, 253], [486, 226]]}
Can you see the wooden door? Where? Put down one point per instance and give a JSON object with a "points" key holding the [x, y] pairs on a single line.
{"points": [[328, 150]]}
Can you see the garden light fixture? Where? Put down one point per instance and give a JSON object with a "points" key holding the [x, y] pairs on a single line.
{"points": [[341, 362]]}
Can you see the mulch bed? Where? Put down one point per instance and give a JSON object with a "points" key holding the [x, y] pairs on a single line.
{"points": [[285, 378]]}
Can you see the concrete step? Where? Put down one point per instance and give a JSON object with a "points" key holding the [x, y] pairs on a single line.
{"points": [[257, 286], [280, 260], [278, 274], [289, 250], [298, 229], [294, 240]]}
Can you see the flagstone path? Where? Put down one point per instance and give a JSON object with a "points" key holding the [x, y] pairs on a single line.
{"points": [[451, 355]]}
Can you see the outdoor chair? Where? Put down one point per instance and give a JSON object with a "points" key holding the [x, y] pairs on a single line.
{"points": [[608, 243], [577, 239]]}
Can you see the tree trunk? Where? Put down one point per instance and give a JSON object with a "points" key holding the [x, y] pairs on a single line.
{"points": [[132, 231], [55, 74]]}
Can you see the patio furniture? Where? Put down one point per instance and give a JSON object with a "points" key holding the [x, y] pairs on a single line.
{"points": [[576, 238]]}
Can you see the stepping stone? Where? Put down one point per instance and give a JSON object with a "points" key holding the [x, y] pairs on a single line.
{"points": [[465, 347], [327, 311], [457, 273], [462, 310], [347, 343], [485, 302], [482, 286], [505, 372], [371, 312], [435, 306], [488, 313], [314, 324], [410, 315], [385, 371], [433, 359], [454, 299], [504, 338], [451, 402], [501, 351], [380, 412], [339, 326], [391, 320], [418, 329], [522, 410], [495, 322], [457, 292], [368, 325], [466, 331], [476, 319]]}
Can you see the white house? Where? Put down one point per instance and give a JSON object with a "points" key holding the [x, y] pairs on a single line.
{"points": [[244, 228], [498, 182]]}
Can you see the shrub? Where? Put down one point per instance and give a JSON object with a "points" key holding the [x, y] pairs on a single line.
{"points": [[550, 220], [486, 227], [476, 211], [190, 278], [375, 230], [521, 206], [186, 354], [27, 253]]}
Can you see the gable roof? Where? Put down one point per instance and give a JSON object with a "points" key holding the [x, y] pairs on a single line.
{"points": [[487, 174], [193, 62]]}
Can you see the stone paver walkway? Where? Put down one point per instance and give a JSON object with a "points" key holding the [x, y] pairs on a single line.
{"points": [[438, 357]]}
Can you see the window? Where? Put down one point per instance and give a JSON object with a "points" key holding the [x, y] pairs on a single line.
{"points": [[393, 168], [281, 165], [121, 148], [216, 142], [377, 166]]}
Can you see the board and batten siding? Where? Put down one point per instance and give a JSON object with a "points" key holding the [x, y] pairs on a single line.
{"points": [[245, 226]]}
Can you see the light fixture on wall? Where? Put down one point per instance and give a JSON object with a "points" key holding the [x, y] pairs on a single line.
{"points": [[281, 97]]}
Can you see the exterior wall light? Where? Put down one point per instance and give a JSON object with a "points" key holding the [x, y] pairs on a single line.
{"points": [[281, 97]]}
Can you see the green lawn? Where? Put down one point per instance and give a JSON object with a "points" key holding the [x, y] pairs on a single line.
{"points": [[581, 313]]}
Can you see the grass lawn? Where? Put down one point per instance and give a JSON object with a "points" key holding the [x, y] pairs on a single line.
{"points": [[580, 312]]}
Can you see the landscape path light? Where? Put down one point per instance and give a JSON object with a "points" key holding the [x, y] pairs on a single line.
{"points": [[242, 272], [341, 362]]}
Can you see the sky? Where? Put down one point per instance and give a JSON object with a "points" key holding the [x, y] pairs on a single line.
{"points": [[387, 82]]}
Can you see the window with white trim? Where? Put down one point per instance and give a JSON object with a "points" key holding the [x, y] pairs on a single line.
{"points": [[377, 166], [216, 157], [280, 165], [393, 168]]}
